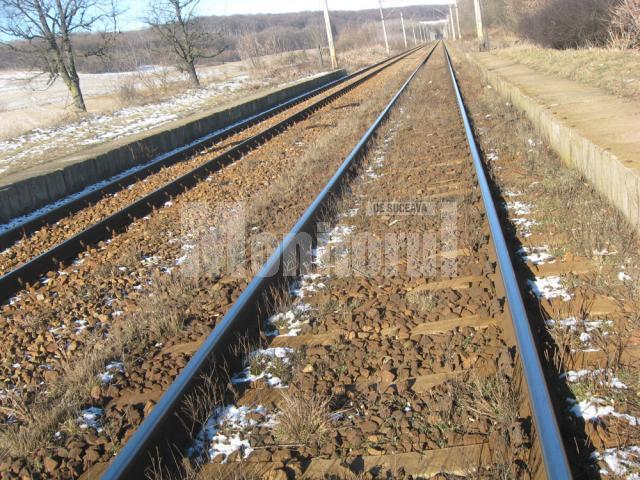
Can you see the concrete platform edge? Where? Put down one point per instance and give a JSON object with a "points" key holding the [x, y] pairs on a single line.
{"points": [[601, 167], [31, 193]]}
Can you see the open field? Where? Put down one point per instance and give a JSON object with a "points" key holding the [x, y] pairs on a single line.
{"points": [[38, 126]]}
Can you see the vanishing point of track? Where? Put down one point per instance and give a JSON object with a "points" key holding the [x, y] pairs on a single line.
{"points": [[493, 319]]}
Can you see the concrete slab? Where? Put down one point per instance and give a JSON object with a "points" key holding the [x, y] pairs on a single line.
{"points": [[596, 133]]}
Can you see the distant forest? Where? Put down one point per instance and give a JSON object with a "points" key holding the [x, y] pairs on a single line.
{"points": [[244, 37]]}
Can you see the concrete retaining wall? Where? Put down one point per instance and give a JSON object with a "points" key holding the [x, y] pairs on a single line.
{"points": [[613, 177], [72, 174]]}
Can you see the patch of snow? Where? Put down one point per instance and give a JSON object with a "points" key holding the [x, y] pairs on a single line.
{"points": [[524, 225], [620, 461], [275, 382], [90, 418], [519, 208], [623, 277], [350, 213], [227, 430], [548, 287], [81, 326], [536, 255], [574, 376], [603, 253], [110, 372], [594, 408], [293, 321]]}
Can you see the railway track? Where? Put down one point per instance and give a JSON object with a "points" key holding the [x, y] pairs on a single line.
{"points": [[61, 232], [97, 337], [403, 340]]}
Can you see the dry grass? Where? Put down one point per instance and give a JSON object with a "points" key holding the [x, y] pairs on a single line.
{"points": [[304, 417], [199, 405], [493, 398], [52, 408], [162, 315], [424, 301], [614, 71]]}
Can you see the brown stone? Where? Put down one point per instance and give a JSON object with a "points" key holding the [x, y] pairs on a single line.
{"points": [[50, 464], [277, 474], [387, 377], [375, 451], [368, 426], [92, 455], [260, 455], [96, 392]]}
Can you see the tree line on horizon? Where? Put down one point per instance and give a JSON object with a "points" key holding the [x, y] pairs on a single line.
{"points": [[64, 37]]}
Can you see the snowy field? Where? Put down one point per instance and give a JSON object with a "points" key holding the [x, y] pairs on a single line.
{"points": [[37, 126]]}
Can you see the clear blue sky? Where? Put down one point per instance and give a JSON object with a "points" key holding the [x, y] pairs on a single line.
{"points": [[135, 8]]}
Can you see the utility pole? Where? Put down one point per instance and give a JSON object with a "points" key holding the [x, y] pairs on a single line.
{"points": [[453, 28], [480, 30], [413, 26], [455, 7], [404, 33], [332, 48], [384, 29]]}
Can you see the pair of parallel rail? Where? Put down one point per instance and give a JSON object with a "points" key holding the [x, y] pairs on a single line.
{"points": [[162, 423]]}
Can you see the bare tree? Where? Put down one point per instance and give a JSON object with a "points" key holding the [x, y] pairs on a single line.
{"points": [[624, 29], [44, 31], [178, 25]]}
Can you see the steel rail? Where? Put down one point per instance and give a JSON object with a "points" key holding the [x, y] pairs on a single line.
{"points": [[168, 158], [131, 459], [553, 452], [33, 269]]}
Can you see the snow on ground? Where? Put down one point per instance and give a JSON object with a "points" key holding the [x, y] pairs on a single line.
{"points": [[536, 255], [624, 462], [519, 208], [594, 408], [264, 361], [613, 382], [590, 407], [111, 370], [96, 129], [524, 226], [548, 288], [623, 277], [583, 329], [227, 431], [90, 418], [289, 323]]}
